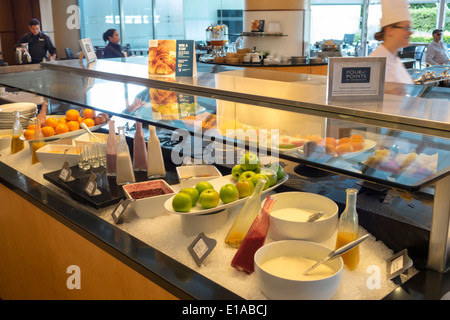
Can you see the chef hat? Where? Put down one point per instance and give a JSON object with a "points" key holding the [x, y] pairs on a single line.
{"points": [[394, 11]]}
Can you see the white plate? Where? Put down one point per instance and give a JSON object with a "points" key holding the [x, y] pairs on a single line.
{"points": [[368, 144], [217, 184], [22, 107], [68, 134]]}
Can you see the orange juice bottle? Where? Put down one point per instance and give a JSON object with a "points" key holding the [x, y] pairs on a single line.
{"points": [[17, 144], [38, 142], [348, 230]]}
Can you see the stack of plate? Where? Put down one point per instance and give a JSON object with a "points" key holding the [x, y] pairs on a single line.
{"points": [[7, 114]]}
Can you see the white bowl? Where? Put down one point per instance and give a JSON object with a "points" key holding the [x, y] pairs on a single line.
{"points": [[280, 288], [53, 156], [189, 176], [152, 206], [295, 228], [5, 138], [86, 138], [192, 225]]}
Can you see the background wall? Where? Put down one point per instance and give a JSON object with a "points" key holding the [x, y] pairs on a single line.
{"points": [[14, 18], [64, 37]]}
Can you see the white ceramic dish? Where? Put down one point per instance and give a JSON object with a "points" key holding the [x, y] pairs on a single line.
{"points": [[294, 228], [217, 184], [68, 134], [208, 223], [189, 176], [86, 138], [150, 207], [279, 288], [5, 138], [53, 156]]}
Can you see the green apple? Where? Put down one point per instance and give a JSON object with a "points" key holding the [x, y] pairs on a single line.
{"points": [[209, 199], [258, 176], [202, 186], [272, 175], [193, 193], [245, 188], [249, 161], [229, 193], [182, 202], [247, 175], [278, 169], [236, 172]]}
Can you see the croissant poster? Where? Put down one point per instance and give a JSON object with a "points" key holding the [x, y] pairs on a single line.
{"points": [[172, 58]]}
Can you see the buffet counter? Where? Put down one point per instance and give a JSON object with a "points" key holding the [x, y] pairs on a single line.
{"points": [[408, 209]]}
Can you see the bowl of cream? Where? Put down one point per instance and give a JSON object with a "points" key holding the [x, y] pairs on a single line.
{"points": [[279, 268], [288, 218]]}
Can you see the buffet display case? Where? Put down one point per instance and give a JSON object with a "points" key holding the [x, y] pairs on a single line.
{"points": [[400, 143]]}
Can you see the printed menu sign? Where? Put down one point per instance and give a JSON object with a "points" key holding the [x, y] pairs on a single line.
{"points": [[356, 77], [172, 58]]}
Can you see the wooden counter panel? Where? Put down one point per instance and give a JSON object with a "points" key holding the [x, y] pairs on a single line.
{"points": [[36, 251]]}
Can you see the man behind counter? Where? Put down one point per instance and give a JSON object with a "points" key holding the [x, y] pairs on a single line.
{"points": [[38, 43], [437, 52]]}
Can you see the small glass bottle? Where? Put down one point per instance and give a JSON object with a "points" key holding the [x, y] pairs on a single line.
{"points": [[139, 149], [111, 150], [17, 144], [155, 164], [124, 173], [248, 214], [38, 142], [348, 230]]}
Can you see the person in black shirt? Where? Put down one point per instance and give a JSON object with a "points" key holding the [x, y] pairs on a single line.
{"points": [[113, 49], [38, 43]]}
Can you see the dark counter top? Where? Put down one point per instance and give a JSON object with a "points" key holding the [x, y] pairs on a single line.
{"points": [[377, 218]]}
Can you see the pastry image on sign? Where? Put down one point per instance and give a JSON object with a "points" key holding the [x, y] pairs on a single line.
{"points": [[162, 57], [164, 104]]}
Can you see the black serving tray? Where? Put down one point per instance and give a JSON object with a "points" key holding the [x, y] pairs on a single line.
{"points": [[111, 193]]}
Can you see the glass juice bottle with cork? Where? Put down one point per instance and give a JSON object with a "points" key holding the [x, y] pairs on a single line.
{"points": [[348, 230], [38, 141], [17, 144]]}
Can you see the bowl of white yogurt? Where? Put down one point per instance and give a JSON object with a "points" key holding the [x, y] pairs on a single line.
{"points": [[288, 218], [279, 268]]}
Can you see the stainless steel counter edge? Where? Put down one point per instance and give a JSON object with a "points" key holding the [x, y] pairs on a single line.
{"points": [[121, 245]]}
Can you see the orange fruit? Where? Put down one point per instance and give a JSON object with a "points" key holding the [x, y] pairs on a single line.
{"points": [[344, 148], [72, 115], [29, 134], [62, 120], [330, 148], [357, 145], [356, 137], [89, 122], [73, 125], [51, 122], [89, 113], [61, 128], [330, 141], [80, 119], [48, 131], [31, 127], [343, 141]]}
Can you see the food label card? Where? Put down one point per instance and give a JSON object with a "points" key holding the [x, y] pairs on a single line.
{"points": [[201, 247], [353, 78], [172, 58]]}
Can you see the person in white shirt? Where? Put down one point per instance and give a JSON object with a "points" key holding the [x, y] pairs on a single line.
{"points": [[395, 34], [437, 52]]}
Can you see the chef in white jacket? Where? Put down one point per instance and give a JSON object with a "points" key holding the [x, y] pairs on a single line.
{"points": [[395, 34]]}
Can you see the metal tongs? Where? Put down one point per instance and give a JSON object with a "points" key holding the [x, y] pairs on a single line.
{"points": [[338, 252]]}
